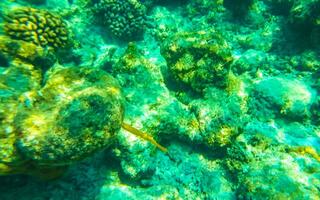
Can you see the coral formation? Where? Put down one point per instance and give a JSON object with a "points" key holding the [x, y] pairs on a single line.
{"points": [[220, 117], [125, 19], [40, 27], [77, 113], [27, 52], [306, 61], [236, 104], [198, 59], [259, 154], [17, 85], [281, 96]]}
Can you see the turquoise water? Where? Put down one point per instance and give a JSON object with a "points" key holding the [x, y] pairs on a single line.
{"points": [[158, 99]]}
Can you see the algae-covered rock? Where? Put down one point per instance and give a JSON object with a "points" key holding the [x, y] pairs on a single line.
{"points": [[315, 110], [250, 61], [305, 13], [151, 101], [75, 113], [220, 116], [198, 59], [262, 164], [204, 7], [281, 96], [28, 52], [17, 83], [306, 61]]}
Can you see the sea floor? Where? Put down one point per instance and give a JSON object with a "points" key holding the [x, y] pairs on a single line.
{"points": [[231, 89]]}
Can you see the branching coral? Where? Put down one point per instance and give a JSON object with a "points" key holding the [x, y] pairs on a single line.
{"points": [[37, 26], [124, 18]]}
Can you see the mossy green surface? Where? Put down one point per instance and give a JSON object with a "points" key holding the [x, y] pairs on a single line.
{"points": [[198, 59], [231, 90]]}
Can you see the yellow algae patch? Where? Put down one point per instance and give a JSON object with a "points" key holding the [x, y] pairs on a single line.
{"points": [[303, 150]]}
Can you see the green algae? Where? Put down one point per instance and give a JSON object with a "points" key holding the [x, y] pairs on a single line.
{"points": [[232, 91]]}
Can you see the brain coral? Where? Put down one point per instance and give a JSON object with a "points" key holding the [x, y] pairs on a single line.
{"points": [[123, 18], [37, 26]]}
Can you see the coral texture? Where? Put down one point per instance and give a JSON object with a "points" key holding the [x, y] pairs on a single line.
{"points": [[123, 18], [77, 113], [198, 59], [40, 27], [27, 52]]}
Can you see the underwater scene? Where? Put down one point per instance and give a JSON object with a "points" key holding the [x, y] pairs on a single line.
{"points": [[159, 99]]}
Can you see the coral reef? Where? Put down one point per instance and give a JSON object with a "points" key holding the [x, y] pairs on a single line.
{"points": [[77, 113], [27, 52], [125, 19], [259, 154], [40, 27], [226, 88], [73, 125], [198, 59], [283, 97], [16, 83], [220, 117]]}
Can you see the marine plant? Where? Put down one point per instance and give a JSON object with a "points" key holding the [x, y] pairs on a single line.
{"points": [[125, 19], [38, 26]]}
